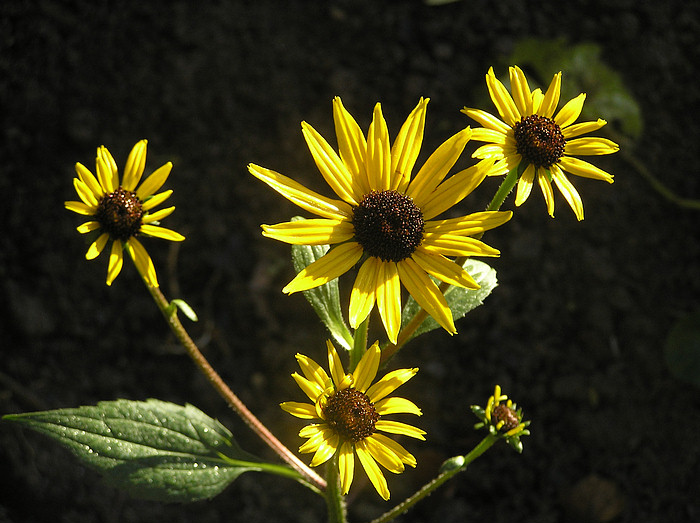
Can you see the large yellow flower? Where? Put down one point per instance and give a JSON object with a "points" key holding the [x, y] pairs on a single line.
{"points": [[350, 411], [529, 133], [120, 211], [386, 216]]}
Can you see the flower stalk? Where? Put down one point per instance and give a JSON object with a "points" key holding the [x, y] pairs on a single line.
{"points": [[228, 395]]}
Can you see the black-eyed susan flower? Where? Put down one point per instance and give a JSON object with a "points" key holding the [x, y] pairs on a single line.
{"points": [[385, 217], [122, 211], [503, 418], [529, 135], [350, 411]]}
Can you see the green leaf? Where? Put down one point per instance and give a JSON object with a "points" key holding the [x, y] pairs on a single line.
{"points": [[325, 300], [460, 300], [152, 449], [583, 72], [184, 307], [682, 349]]}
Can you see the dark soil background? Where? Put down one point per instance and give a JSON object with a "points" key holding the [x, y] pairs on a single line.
{"points": [[574, 333]]}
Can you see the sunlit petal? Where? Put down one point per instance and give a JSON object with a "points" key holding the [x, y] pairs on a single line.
{"points": [[319, 231], [366, 370], [154, 182], [406, 147], [335, 262], [389, 299], [135, 164], [363, 295], [373, 472]]}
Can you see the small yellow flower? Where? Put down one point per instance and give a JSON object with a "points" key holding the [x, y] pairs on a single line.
{"points": [[350, 411], [529, 133], [120, 211], [385, 218], [503, 418]]}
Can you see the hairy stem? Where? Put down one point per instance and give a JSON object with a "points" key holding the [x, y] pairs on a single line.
{"points": [[228, 395]]}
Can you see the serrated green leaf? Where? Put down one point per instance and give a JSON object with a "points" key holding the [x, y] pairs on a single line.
{"points": [[325, 300], [460, 300], [152, 449]]}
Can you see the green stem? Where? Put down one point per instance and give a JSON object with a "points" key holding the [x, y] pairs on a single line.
{"points": [[504, 189], [430, 487], [335, 500], [227, 394], [359, 344]]}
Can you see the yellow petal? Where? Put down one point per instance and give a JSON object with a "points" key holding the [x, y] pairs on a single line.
{"points": [[396, 406], [154, 182], [352, 147], [325, 450], [301, 196], [407, 145], [443, 269], [366, 369], [312, 389], [161, 232], [582, 128], [373, 472], [405, 456], [489, 150], [97, 246], [454, 189], [111, 174], [546, 188], [88, 227], [525, 185], [329, 164], [80, 208], [116, 260], [346, 466], [156, 200], [571, 111], [437, 166], [300, 410], [135, 164], [89, 179], [335, 366], [389, 383], [363, 294], [584, 169], [568, 191], [389, 299], [551, 97], [104, 175], [502, 99], [520, 90], [426, 293], [590, 146], [487, 120], [143, 261], [454, 245], [313, 371], [471, 224], [84, 192], [317, 434], [335, 262], [320, 231], [158, 215], [397, 427], [378, 152], [382, 455]]}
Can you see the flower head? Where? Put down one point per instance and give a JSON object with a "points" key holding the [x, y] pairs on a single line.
{"points": [[530, 136], [385, 218], [121, 211], [503, 418], [350, 411]]}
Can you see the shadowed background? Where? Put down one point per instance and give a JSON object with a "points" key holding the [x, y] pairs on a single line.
{"points": [[575, 331]]}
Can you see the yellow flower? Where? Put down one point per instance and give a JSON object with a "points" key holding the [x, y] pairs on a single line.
{"points": [[350, 411], [529, 133], [386, 216], [121, 210]]}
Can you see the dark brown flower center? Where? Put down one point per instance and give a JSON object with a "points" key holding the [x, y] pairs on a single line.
{"points": [[539, 140], [388, 225], [350, 413], [119, 214], [505, 414]]}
